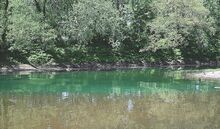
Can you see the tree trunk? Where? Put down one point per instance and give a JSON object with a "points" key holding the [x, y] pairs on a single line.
{"points": [[44, 8], [37, 4]]}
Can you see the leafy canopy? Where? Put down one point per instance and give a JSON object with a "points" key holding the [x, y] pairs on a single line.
{"points": [[175, 22]]}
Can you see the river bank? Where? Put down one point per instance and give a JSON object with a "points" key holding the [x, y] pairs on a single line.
{"points": [[67, 67], [100, 66], [202, 74], [207, 74]]}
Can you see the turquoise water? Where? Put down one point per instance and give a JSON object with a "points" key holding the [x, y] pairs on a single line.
{"points": [[131, 98]]}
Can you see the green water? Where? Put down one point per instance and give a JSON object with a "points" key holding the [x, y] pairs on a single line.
{"points": [[121, 99]]}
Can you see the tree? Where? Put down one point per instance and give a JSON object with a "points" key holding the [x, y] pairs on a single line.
{"points": [[176, 22], [90, 19], [4, 8], [214, 7], [29, 33], [138, 14], [38, 31]]}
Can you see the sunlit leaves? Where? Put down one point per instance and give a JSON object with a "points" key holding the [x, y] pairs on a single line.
{"points": [[176, 20], [27, 26], [91, 19]]}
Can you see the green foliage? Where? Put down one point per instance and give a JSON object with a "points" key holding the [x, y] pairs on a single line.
{"points": [[176, 21], [27, 29], [39, 58], [1, 18], [3, 21], [89, 19], [1, 25], [214, 43], [76, 31]]}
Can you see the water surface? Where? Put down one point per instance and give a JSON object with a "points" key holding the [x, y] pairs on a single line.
{"points": [[150, 98]]}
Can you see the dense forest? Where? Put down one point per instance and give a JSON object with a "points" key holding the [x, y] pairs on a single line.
{"points": [[76, 31]]}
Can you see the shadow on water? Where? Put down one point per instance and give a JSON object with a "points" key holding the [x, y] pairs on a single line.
{"points": [[131, 99]]}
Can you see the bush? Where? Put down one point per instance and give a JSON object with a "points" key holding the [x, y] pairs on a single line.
{"points": [[39, 58]]}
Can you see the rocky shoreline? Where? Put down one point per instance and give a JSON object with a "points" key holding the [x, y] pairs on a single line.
{"points": [[76, 67], [66, 67], [105, 66]]}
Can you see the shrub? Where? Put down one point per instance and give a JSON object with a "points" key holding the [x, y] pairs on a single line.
{"points": [[39, 58]]}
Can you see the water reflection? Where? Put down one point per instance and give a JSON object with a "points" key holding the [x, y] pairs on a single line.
{"points": [[130, 105], [115, 82], [157, 111], [130, 99], [65, 95]]}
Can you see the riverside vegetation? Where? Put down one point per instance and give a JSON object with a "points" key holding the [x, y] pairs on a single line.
{"points": [[76, 31]]}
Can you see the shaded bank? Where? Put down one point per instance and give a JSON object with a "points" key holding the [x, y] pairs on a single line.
{"points": [[99, 66]]}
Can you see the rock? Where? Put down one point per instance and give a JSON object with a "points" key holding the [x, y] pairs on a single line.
{"points": [[24, 67], [4, 69]]}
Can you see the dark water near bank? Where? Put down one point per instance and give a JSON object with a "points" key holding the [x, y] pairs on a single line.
{"points": [[121, 99]]}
